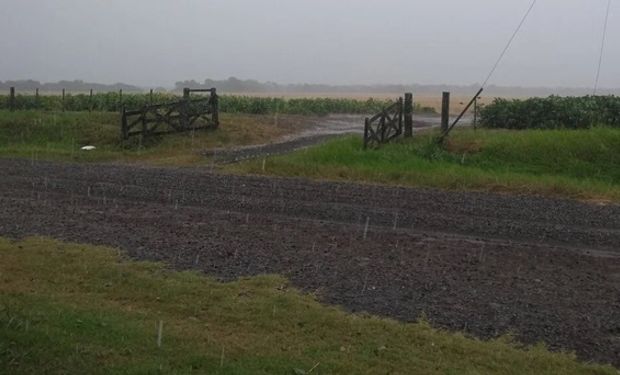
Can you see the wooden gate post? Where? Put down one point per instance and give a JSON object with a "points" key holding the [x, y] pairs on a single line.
{"points": [[63, 100], [476, 113], [408, 115], [215, 102], [366, 126], [445, 112], [12, 99], [124, 130], [401, 110], [90, 101], [185, 108]]}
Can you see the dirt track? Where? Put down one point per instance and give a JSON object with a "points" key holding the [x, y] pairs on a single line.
{"points": [[481, 263], [316, 131]]}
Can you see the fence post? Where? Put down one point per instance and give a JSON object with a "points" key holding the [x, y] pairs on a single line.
{"points": [[408, 115], [366, 125], [12, 99], [120, 98], [401, 105], [476, 109], [124, 132], [36, 98], [445, 112], [63, 100], [215, 102], [151, 97], [185, 108], [90, 101]]}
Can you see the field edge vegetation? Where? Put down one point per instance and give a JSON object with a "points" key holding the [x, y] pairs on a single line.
{"points": [[71, 308], [59, 136], [576, 164]]}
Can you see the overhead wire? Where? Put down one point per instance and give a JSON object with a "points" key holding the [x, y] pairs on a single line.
{"points": [[600, 59], [501, 56], [512, 38]]}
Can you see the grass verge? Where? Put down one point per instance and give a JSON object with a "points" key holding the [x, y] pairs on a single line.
{"points": [[60, 135], [580, 164], [69, 308]]}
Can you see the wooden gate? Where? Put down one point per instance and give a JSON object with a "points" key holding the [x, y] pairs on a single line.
{"points": [[188, 114], [385, 126]]}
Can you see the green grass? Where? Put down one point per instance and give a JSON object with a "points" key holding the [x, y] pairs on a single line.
{"points": [[70, 308], [60, 135], [579, 164]]}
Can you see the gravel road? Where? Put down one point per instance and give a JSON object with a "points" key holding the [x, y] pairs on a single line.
{"points": [[487, 264]]}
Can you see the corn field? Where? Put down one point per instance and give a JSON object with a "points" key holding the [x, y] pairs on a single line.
{"points": [[111, 102]]}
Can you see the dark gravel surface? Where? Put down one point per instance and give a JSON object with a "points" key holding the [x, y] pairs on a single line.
{"points": [[544, 270]]}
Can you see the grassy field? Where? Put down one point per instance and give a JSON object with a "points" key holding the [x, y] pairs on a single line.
{"points": [[70, 308], [580, 164], [60, 135]]}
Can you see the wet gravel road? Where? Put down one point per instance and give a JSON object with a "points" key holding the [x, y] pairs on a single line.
{"points": [[544, 270]]}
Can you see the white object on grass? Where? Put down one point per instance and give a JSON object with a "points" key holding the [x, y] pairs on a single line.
{"points": [[88, 148]]}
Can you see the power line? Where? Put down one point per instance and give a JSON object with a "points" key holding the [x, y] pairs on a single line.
{"points": [[600, 59], [501, 56]]}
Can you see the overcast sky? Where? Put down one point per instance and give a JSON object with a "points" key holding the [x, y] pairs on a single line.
{"points": [[158, 42]]}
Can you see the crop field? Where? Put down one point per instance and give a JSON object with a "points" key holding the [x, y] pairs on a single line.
{"points": [[257, 105], [422, 101], [497, 233], [553, 112]]}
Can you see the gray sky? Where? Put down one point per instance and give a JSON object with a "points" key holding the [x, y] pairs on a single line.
{"points": [[158, 42]]}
